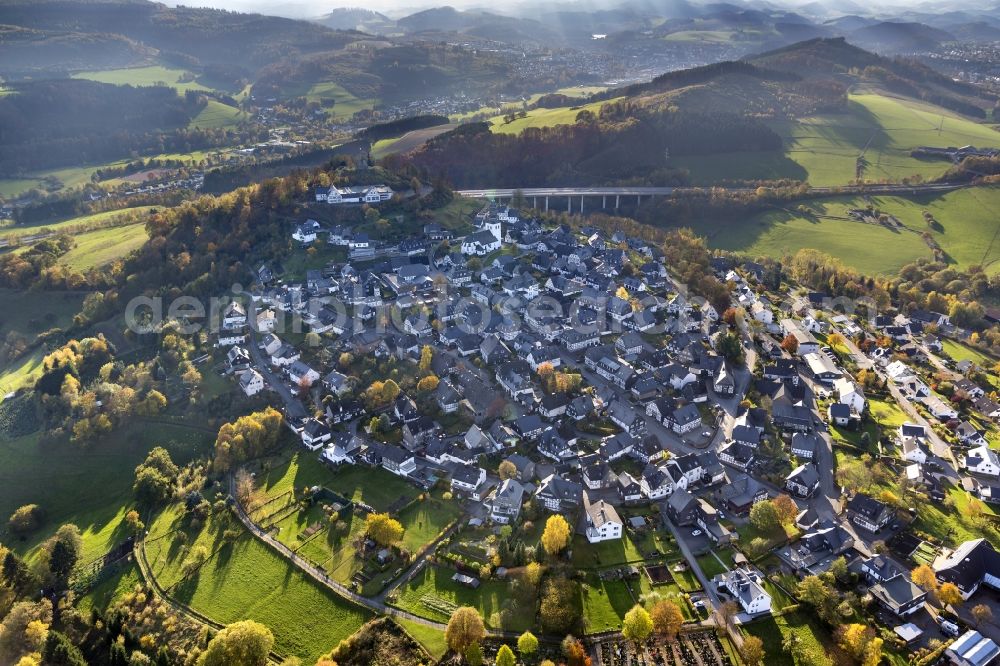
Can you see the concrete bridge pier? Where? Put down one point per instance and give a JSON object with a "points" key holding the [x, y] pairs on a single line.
{"points": [[546, 204], [569, 204], [617, 201], [604, 201], [581, 204], [534, 202]]}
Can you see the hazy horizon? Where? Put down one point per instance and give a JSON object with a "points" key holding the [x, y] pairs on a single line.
{"points": [[395, 9]]}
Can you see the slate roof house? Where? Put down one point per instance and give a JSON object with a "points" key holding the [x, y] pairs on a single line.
{"points": [[803, 481], [506, 503], [972, 564], [869, 513], [603, 522]]}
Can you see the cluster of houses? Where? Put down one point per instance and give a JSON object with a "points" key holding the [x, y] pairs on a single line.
{"points": [[489, 347], [649, 376]]}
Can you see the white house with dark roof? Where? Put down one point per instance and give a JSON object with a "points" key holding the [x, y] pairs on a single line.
{"points": [[251, 382], [745, 586], [315, 434], [603, 522], [803, 481], [982, 460], [505, 505]]}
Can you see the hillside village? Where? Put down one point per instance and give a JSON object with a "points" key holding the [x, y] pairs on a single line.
{"points": [[566, 370]]}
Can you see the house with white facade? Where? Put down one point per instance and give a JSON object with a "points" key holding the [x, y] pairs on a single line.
{"points": [[745, 586], [982, 460], [603, 522], [251, 382]]}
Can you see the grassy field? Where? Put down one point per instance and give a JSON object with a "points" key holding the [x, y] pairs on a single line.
{"points": [[80, 175], [605, 603], [345, 104], [375, 487], [432, 639], [335, 551], [772, 630], [217, 115], [959, 351], [409, 141], [435, 582], [544, 118], [952, 524], [966, 226], [101, 247], [145, 76], [245, 579], [8, 228], [28, 314], [88, 486], [823, 149], [110, 588], [21, 373]]}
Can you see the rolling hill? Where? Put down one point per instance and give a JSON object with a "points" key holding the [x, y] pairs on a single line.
{"points": [[899, 37], [789, 111]]}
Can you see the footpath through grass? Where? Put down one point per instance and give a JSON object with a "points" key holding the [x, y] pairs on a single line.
{"points": [[244, 579]]}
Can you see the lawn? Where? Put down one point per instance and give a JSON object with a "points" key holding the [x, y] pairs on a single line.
{"points": [[823, 149], [813, 639], [375, 487], [424, 594], [610, 553], [88, 486], [431, 638], [605, 603], [887, 413], [951, 524], [247, 580], [884, 416], [711, 565]]}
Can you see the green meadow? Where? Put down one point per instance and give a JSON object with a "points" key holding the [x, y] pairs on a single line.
{"points": [[564, 115], [244, 579], [153, 75], [217, 115], [345, 104], [89, 486], [823, 149], [99, 248], [65, 225], [967, 223]]}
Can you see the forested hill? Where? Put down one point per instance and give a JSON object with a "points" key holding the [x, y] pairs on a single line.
{"points": [[203, 35], [647, 133], [52, 123], [836, 59]]}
